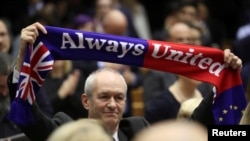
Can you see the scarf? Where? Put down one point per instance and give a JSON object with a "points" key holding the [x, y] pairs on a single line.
{"points": [[196, 62]]}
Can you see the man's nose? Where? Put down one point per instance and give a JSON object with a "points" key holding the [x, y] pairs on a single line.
{"points": [[112, 102]]}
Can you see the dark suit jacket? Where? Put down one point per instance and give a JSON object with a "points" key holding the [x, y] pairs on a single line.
{"points": [[43, 125]]}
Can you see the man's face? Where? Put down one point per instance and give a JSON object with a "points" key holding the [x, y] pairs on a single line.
{"points": [[4, 38], [3, 86], [108, 99]]}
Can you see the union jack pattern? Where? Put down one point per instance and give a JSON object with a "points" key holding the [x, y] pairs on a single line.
{"points": [[37, 63]]}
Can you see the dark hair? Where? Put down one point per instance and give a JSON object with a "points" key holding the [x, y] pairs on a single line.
{"points": [[171, 7], [7, 24], [184, 3]]}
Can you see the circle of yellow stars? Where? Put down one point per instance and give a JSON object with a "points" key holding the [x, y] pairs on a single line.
{"points": [[225, 111]]}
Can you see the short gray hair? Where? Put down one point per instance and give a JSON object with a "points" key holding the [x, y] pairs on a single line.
{"points": [[89, 84]]}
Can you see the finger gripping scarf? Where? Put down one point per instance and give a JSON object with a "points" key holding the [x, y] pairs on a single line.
{"points": [[196, 62]]}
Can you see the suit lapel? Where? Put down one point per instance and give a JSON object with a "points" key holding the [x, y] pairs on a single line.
{"points": [[122, 136]]}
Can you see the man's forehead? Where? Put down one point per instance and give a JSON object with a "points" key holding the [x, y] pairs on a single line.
{"points": [[108, 79], [106, 73]]}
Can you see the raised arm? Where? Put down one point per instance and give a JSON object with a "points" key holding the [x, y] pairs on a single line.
{"points": [[41, 125]]}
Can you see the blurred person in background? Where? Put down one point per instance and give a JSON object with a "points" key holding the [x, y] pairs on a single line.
{"points": [[101, 8], [7, 127], [182, 88], [62, 89], [81, 130], [174, 130], [6, 38], [139, 18]]}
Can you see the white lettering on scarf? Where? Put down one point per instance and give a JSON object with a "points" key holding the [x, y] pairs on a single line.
{"points": [[93, 43], [188, 58]]}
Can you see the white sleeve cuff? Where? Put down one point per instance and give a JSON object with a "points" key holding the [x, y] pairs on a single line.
{"points": [[15, 76]]}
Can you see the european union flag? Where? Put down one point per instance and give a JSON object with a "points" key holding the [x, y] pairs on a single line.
{"points": [[229, 105]]}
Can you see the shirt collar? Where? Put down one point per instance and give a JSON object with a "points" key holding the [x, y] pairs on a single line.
{"points": [[115, 136]]}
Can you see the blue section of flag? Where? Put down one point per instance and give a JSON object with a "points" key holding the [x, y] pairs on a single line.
{"points": [[228, 106]]}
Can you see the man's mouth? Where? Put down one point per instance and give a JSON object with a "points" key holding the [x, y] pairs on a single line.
{"points": [[111, 113]]}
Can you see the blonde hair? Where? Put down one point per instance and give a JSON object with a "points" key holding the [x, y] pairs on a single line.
{"points": [[67, 66], [81, 130], [188, 106], [173, 130], [245, 119]]}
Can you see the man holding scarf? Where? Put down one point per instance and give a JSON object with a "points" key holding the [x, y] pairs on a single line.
{"points": [[105, 99]]}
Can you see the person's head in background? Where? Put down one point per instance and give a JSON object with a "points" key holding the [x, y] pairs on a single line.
{"points": [[202, 11], [81, 130], [187, 33], [5, 36], [105, 97], [173, 130], [180, 11], [196, 34], [179, 33], [115, 23], [83, 22], [170, 13], [102, 7], [187, 11]]}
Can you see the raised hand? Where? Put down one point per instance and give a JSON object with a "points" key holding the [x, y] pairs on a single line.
{"points": [[28, 36], [232, 60]]}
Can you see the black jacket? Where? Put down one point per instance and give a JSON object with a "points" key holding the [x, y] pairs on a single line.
{"points": [[43, 125]]}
